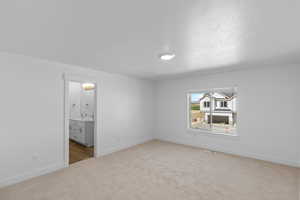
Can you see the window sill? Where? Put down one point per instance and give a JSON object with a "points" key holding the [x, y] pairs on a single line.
{"points": [[213, 133]]}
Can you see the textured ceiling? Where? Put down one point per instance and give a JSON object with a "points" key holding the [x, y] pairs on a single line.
{"points": [[127, 36]]}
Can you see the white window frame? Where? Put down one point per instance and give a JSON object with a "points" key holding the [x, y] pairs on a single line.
{"points": [[222, 104], [204, 130], [206, 104]]}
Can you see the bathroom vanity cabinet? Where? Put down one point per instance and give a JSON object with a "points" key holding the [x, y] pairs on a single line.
{"points": [[82, 132]]}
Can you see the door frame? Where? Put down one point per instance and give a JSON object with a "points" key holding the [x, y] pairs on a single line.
{"points": [[80, 78]]}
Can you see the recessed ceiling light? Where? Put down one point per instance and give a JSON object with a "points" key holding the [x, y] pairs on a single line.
{"points": [[167, 56]]}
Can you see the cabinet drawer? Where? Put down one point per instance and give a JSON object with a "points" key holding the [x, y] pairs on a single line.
{"points": [[76, 124]]}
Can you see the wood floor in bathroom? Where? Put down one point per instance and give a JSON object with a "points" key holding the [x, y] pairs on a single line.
{"points": [[78, 152]]}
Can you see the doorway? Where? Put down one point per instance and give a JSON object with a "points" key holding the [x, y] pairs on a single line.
{"points": [[80, 120]]}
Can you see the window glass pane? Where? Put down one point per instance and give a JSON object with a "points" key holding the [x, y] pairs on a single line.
{"points": [[225, 103], [199, 109], [224, 112]]}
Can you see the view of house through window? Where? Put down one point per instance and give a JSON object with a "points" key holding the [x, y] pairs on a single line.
{"points": [[214, 110]]}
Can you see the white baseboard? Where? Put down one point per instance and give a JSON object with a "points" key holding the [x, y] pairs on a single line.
{"points": [[55, 167], [123, 146], [28, 175], [243, 154], [42, 171]]}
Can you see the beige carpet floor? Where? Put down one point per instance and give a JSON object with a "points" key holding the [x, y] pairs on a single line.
{"points": [[161, 171]]}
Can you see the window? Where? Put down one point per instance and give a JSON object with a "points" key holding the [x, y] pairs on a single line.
{"points": [[206, 104], [223, 104], [213, 110]]}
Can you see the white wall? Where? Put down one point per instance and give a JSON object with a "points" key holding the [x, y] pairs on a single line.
{"points": [[268, 113], [32, 114], [87, 98], [32, 107], [75, 94], [81, 102]]}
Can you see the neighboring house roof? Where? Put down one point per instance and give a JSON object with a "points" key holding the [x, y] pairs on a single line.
{"points": [[219, 96], [204, 96]]}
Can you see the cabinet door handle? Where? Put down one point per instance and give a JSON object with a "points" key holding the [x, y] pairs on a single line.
{"points": [[80, 130]]}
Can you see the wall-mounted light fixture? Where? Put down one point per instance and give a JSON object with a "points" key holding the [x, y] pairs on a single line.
{"points": [[88, 86]]}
